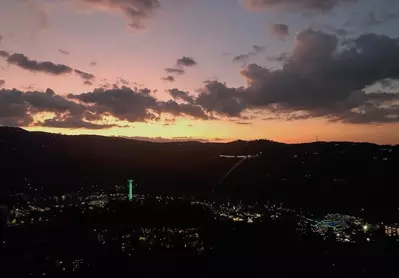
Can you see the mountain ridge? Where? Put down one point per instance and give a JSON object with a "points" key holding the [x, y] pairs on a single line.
{"points": [[334, 175]]}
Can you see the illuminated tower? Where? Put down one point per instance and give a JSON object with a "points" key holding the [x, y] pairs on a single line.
{"points": [[130, 190]]}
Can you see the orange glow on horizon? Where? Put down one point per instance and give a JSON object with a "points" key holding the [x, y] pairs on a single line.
{"points": [[224, 131]]}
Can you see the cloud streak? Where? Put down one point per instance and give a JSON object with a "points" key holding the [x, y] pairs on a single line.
{"points": [[244, 58], [73, 123], [305, 5], [181, 95], [279, 30], [186, 62], [181, 63], [169, 78], [62, 51], [137, 12], [84, 75], [177, 71], [24, 62]]}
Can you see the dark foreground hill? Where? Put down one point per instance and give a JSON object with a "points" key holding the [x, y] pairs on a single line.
{"points": [[315, 175], [60, 162]]}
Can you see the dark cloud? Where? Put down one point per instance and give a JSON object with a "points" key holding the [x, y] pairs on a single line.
{"points": [[370, 113], [136, 11], [258, 48], [1, 37], [2, 83], [4, 54], [340, 31], [279, 30], [93, 63], [13, 109], [314, 49], [73, 123], [243, 58], [321, 78], [187, 109], [50, 102], [62, 51], [324, 80], [17, 108], [330, 29], [181, 95], [217, 97], [186, 62], [169, 78], [29, 88], [177, 71], [24, 62], [135, 105], [243, 123], [122, 103], [305, 5], [146, 91], [87, 82], [123, 82], [139, 10], [179, 68], [105, 85], [88, 110], [84, 75]]}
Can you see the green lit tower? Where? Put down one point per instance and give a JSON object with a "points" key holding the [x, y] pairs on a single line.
{"points": [[130, 190]]}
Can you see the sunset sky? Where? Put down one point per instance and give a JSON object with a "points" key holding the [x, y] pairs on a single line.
{"points": [[285, 70]]}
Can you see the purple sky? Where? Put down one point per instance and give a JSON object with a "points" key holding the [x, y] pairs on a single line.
{"points": [[233, 43]]}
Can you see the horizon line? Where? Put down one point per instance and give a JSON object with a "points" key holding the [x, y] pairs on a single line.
{"points": [[183, 139]]}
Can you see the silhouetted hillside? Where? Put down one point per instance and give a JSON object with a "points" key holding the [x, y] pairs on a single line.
{"points": [[358, 178], [315, 175], [60, 162]]}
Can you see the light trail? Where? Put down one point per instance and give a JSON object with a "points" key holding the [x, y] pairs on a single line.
{"points": [[236, 165]]}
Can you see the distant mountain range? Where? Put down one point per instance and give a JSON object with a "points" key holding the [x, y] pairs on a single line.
{"points": [[321, 174]]}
